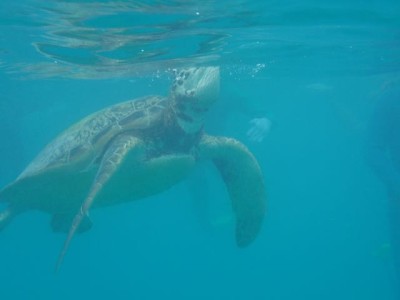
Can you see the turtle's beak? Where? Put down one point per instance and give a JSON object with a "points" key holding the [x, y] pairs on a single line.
{"points": [[206, 82]]}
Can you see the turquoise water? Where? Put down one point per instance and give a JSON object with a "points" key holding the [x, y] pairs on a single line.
{"points": [[315, 70]]}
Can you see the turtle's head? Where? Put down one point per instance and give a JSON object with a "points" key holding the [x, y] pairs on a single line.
{"points": [[193, 92]]}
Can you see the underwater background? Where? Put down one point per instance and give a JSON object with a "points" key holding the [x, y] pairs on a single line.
{"points": [[314, 69]]}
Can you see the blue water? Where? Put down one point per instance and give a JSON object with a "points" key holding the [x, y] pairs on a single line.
{"points": [[315, 70]]}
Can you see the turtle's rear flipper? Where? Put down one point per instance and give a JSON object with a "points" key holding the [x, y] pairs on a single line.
{"points": [[244, 182], [61, 223]]}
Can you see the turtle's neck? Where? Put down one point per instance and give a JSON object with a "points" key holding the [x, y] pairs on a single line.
{"points": [[175, 137]]}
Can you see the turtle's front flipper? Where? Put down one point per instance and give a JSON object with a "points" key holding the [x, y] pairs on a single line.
{"points": [[244, 181], [111, 160]]}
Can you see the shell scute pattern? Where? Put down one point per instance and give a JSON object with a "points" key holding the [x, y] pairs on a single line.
{"points": [[94, 131]]}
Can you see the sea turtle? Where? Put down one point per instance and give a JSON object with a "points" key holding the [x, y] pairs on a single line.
{"points": [[136, 149]]}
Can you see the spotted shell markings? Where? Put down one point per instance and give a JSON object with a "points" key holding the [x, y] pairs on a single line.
{"points": [[93, 132]]}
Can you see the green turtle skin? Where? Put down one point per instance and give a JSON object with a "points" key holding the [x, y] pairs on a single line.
{"points": [[133, 150]]}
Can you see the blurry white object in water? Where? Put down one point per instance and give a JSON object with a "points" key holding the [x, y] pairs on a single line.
{"points": [[259, 129]]}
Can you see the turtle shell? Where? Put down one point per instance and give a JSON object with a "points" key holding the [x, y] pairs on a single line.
{"points": [[58, 179], [83, 143]]}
